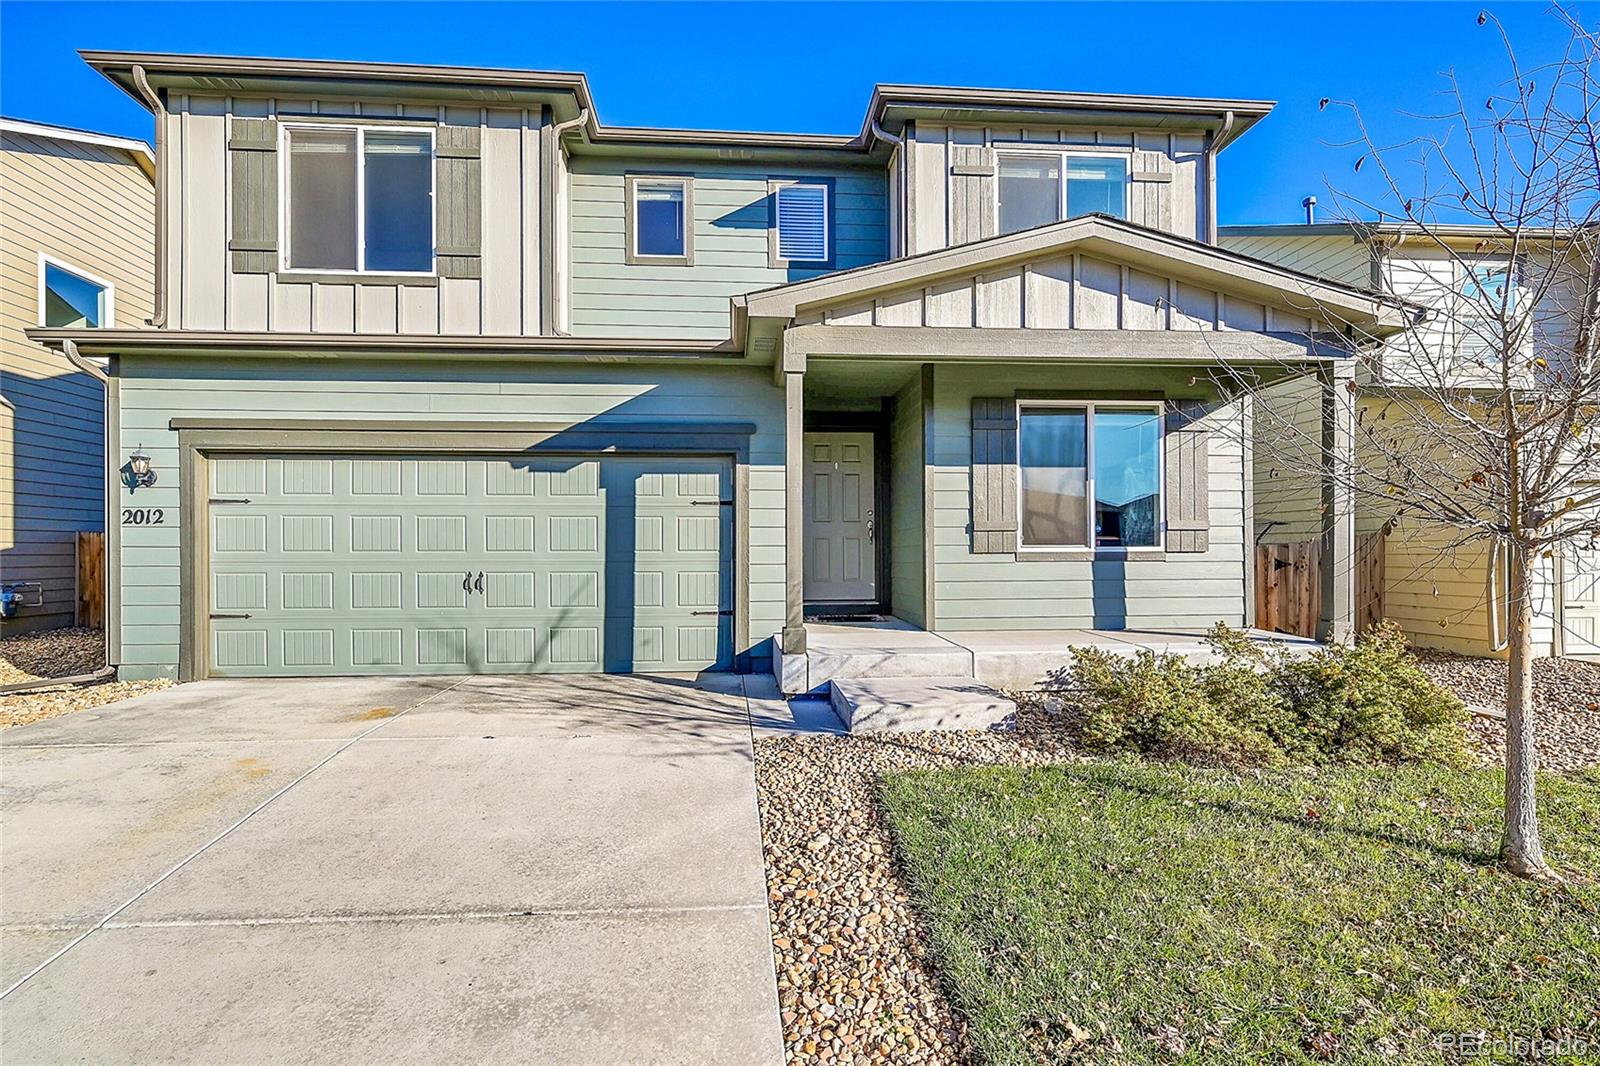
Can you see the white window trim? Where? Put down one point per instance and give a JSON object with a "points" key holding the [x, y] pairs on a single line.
{"points": [[776, 257], [110, 310], [1063, 154], [1160, 409], [361, 131], [634, 257]]}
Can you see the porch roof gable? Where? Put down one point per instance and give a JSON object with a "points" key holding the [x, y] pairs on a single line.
{"points": [[1105, 242]]}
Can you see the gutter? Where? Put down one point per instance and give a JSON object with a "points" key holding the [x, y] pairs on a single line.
{"points": [[153, 101]]}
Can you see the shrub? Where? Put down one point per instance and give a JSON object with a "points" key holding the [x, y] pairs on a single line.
{"points": [[1360, 704]]}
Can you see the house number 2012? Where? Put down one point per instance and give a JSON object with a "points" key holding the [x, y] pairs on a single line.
{"points": [[143, 516]]}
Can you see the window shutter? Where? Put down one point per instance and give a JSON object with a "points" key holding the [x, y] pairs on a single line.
{"points": [[1188, 448], [1150, 190], [994, 475], [458, 205], [253, 186]]}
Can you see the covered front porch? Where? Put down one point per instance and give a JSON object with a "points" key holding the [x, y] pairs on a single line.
{"points": [[999, 451]]}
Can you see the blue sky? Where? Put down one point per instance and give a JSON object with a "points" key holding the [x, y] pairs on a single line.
{"points": [[810, 68]]}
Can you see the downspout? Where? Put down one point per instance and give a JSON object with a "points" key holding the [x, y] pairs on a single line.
{"points": [[899, 202], [75, 357], [153, 101], [884, 135], [560, 255], [1218, 139]]}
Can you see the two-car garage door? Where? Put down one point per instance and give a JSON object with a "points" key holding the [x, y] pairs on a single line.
{"points": [[449, 564]]}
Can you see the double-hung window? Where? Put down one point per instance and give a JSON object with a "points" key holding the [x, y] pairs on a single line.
{"points": [[1089, 475], [359, 199], [802, 231], [1037, 188], [71, 298], [660, 219]]}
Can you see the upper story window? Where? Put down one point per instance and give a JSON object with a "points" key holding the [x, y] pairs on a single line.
{"points": [[71, 298], [1037, 188], [359, 199], [802, 230], [660, 219], [1488, 290], [1089, 475]]}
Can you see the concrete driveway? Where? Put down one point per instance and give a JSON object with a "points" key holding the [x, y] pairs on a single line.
{"points": [[562, 870]]}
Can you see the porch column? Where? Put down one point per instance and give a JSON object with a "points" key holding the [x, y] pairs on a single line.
{"points": [[793, 641], [1337, 624]]}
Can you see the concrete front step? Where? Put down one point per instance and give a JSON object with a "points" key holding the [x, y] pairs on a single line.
{"points": [[908, 705]]}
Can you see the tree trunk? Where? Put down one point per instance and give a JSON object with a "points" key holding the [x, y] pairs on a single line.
{"points": [[1520, 848]]}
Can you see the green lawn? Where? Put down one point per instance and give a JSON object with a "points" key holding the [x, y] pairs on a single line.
{"points": [[1078, 911]]}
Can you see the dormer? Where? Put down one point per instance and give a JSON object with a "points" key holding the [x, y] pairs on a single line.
{"points": [[976, 163]]}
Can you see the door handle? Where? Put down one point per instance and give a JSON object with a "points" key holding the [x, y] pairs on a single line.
{"points": [[870, 525], [478, 585], [466, 582]]}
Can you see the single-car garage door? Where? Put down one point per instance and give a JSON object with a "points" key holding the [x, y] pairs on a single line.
{"points": [[449, 564]]}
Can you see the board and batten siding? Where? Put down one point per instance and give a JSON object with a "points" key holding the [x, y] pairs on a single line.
{"points": [[948, 174], [998, 591], [1067, 292], [155, 390], [207, 293], [610, 297], [93, 209]]}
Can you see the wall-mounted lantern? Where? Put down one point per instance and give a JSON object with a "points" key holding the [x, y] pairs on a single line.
{"points": [[140, 475]]}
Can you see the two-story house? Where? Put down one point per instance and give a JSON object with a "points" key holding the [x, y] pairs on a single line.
{"points": [[1443, 593], [447, 375]]}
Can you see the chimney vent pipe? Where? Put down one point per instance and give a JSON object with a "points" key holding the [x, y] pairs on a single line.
{"points": [[1310, 204]]}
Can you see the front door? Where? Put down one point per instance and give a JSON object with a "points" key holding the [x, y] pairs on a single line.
{"points": [[1580, 602], [840, 547]]}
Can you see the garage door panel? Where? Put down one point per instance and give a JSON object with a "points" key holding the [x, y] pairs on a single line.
{"points": [[350, 564]]}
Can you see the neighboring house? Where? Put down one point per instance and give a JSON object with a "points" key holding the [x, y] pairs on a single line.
{"points": [[1442, 595], [77, 233], [450, 376]]}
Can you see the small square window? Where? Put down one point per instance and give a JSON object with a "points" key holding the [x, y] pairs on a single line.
{"points": [[802, 223], [71, 300], [660, 218]]}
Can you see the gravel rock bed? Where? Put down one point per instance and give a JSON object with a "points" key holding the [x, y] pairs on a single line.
{"points": [[51, 653], [58, 653], [854, 983], [1566, 705]]}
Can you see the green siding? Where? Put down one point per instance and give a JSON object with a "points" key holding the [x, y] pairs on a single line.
{"points": [[907, 560], [987, 592], [155, 390], [612, 298]]}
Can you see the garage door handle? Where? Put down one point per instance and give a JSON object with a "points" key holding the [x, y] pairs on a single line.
{"points": [[228, 499], [478, 585], [466, 582], [710, 503], [227, 614], [711, 612]]}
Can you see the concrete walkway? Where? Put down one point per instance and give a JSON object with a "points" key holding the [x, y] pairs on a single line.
{"points": [[547, 870]]}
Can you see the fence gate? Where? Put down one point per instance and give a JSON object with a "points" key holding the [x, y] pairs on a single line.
{"points": [[1289, 585]]}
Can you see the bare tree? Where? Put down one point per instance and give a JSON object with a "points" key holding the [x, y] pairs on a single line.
{"points": [[1479, 422]]}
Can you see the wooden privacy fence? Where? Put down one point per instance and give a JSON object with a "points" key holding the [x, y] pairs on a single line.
{"points": [[91, 601], [1289, 585]]}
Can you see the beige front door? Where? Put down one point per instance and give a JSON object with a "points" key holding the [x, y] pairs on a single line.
{"points": [[840, 548], [1580, 602]]}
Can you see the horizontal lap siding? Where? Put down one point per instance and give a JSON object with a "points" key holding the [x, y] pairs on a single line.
{"points": [[987, 592], [92, 209], [155, 391], [610, 297], [1333, 256]]}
